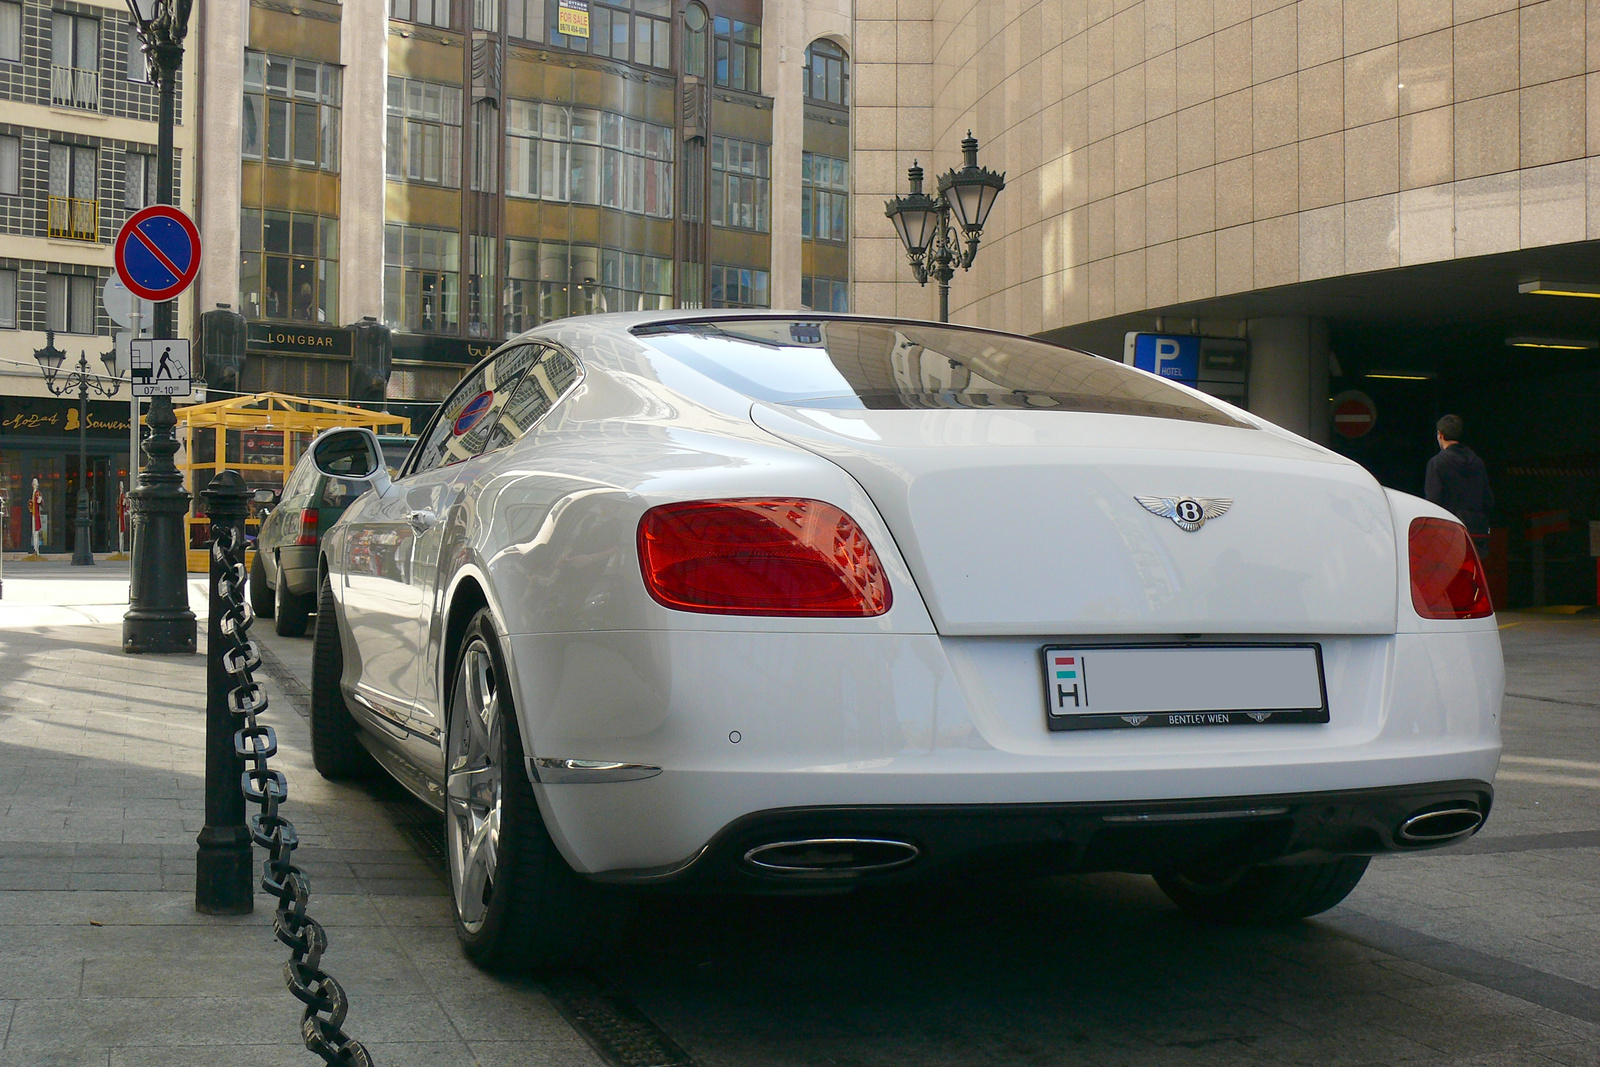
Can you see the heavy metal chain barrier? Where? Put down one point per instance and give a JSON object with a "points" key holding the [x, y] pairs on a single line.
{"points": [[324, 998]]}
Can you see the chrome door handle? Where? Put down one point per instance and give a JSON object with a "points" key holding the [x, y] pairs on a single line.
{"points": [[422, 520]]}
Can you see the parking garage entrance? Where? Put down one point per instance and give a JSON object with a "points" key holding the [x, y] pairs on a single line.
{"points": [[1511, 343]]}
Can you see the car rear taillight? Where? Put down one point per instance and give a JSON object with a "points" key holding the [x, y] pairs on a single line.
{"points": [[306, 531], [761, 557], [1447, 579]]}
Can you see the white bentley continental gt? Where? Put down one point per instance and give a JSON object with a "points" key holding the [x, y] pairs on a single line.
{"points": [[793, 602]]}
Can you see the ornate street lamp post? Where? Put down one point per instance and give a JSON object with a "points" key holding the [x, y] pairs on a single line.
{"points": [[81, 380], [924, 223], [158, 618]]}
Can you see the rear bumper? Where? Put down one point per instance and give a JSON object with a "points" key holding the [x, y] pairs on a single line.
{"points": [[297, 565], [1022, 840]]}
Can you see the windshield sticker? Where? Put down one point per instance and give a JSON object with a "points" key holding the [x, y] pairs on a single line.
{"points": [[476, 408]]}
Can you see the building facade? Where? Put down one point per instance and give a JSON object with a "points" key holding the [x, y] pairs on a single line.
{"points": [[463, 171], [77, 157], [1395, 204]]}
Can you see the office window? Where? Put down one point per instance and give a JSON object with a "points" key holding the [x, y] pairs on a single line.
{"points": [[824, 294], [525, 19], [482, 290], [8, 300], [69, 303], [138, 64], [421, 278], [824, 198], [10, 166], [738, 46], [74, 61], [138, 180], [588, 157], [427, 12], [11, 32], [424, 135], [740, 186], [739, 287], [694, 40], [640, 32], [291, 111], [486, 15], [553, 279], [485, 146], [288, 266], [826, 77]]}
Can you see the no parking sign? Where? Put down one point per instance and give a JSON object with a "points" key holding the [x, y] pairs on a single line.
{"points": [[158, 252]]}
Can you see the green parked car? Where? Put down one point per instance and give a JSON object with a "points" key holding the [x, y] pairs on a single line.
{"points": [[283, 578]]}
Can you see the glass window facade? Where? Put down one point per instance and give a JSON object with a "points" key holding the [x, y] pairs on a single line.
{"points": [[426, 12], [639, 32], [424, 135], [290, 112], [525, 19], [288, 266], [587, 156], [740, 287], [741, 189], [824, 294], [738, 47], [824, 197], [553, 279], [826, 78], [421, 278]]}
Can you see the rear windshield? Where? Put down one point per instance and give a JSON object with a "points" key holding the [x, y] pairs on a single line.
{"points": [[857, 364]]}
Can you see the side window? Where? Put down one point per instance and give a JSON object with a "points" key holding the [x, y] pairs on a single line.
{"points": [[297, 490], [468, 418], [544, 384]]}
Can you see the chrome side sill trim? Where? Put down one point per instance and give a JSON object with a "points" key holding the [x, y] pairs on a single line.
{"points": [[547, 771]]}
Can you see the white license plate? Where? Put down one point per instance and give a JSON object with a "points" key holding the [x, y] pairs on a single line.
{"points": [[1182, 685]]}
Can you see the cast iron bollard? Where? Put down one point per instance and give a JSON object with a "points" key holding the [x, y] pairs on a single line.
{"points": [[254, 743], [223, 858]]}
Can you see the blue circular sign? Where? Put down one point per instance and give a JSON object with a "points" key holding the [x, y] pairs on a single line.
{"points": [[476, 408], [157, 253]]}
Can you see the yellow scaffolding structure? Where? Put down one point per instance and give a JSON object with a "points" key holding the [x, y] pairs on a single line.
{"points": [[262, 436]]}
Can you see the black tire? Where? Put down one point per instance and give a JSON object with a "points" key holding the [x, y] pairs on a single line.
{"points": [[536, 912], [336, 751], [290, 612], [1263, 896], [260, 591]]}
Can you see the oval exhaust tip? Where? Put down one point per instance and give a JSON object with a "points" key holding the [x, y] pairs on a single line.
{"points": [[838, 856], [1431, 827]]}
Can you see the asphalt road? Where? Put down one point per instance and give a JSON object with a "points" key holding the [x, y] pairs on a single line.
{"points": [[1485, 953]]}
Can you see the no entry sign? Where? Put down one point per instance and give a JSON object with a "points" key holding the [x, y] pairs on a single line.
{"points": [[158, 252], [1354, 414]]}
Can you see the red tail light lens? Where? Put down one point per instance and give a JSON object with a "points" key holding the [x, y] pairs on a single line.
{"points": [[761, 557], [1447, 579], [307, 534]]}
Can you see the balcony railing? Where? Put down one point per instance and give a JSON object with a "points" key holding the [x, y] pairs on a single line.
{"points": [[76, 220], [71, 87]]}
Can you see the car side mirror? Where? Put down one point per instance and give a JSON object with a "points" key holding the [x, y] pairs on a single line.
{"points": [[265, 496], [350, 454]]}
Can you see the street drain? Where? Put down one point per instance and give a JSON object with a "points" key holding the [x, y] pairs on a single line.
{"points": [[614, 1028]]}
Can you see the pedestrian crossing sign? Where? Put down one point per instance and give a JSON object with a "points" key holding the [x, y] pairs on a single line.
{"points": [[160, 367]]}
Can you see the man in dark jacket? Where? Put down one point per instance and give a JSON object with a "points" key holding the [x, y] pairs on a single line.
{"points": [[1458, 482]]}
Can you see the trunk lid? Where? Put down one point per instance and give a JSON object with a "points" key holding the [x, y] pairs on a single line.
{"points": [[1024, 522]]}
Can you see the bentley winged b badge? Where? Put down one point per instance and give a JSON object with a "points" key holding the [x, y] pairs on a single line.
{"points": [[1187, 512]]}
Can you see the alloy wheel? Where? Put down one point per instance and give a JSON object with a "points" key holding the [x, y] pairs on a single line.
{"points": [[474, 782]]}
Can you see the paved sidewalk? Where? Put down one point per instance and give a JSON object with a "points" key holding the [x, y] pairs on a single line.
{"points": [[103, 959]]}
